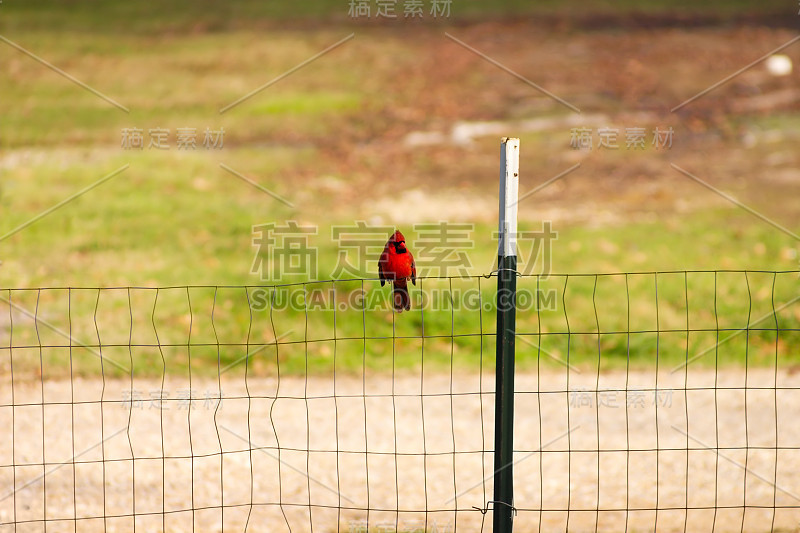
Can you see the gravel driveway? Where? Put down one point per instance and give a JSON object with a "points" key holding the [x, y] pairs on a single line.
{"points": [[582, 416]]}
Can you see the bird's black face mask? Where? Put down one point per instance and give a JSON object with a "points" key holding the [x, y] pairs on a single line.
{"points": [[400, 247]]}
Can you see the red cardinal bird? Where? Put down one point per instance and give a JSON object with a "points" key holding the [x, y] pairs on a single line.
{"points": [[397, 265]]}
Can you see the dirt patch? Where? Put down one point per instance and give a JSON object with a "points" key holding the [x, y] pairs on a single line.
{"points": [[435, 123], [582, 444]]}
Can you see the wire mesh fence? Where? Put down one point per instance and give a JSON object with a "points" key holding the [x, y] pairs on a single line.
{"points": [[657, 401]]}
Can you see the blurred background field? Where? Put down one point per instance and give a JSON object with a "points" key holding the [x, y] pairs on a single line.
{"points": [[397, 126]]}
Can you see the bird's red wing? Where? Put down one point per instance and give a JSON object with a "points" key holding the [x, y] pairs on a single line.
{"points": [[413, 271]]}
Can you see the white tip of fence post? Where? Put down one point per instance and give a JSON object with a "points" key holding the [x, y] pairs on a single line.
{"points": [[509, 194]]}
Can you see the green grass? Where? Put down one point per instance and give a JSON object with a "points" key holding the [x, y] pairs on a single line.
{"points": [[580, 319], [174, 82], [595, 320]]}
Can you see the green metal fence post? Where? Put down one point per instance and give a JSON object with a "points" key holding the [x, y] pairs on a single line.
{"points": [[502, 505]]}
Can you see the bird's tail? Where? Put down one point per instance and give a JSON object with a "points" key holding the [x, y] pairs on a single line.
{"points": [[401, 299]]}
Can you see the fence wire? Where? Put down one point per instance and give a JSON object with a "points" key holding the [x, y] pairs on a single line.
{"points": [[658, 401]]}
